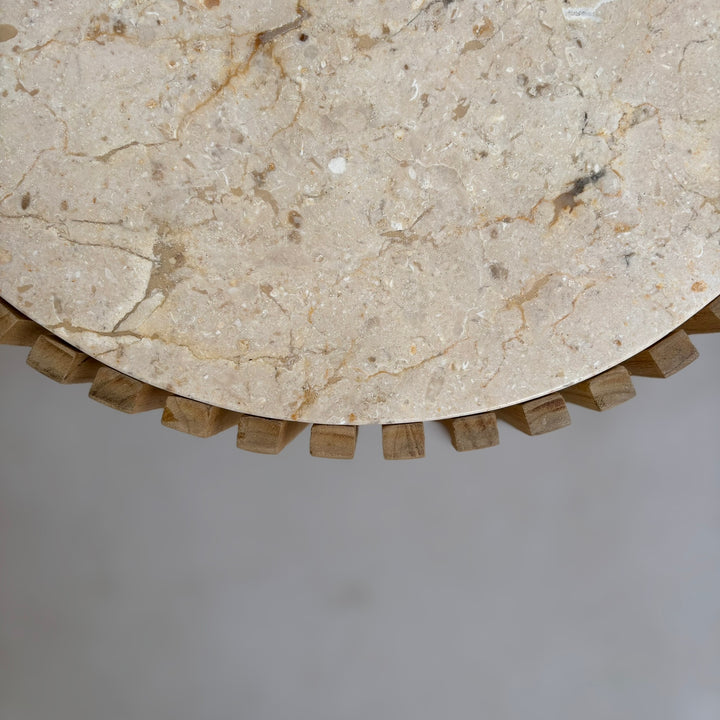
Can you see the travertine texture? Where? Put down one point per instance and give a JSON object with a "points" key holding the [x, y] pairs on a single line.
{"points": [[360, 212]]}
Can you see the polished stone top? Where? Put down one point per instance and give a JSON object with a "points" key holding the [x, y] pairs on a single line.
{"points": [[360, 212]]}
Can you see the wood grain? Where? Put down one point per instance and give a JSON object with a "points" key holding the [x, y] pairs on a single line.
{"points": [[404, 441], [537, 417], [665, 358], [16, 329], [604, 391], [706, 321], [266, 435], [196, 418], [60, 362], [336, 442], [124, 393], [473, 432]]}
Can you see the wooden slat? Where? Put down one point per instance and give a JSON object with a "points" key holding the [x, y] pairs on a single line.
{"points": [[665, 358], [266, 435], [539, 416], [473, 432], [16, 329], [196, 418], [604, 391], [124, 393], [405, 441], [706, 321], [336, 442], [61, 362]]}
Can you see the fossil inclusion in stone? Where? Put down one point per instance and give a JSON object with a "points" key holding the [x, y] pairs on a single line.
{"points": [[360, 212]]}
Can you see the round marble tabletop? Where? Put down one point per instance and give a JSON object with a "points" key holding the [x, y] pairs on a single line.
{"points": [[360, 212]]}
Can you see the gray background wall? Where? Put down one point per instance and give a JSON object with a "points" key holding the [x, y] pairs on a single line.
{"points": [[147, 575]]}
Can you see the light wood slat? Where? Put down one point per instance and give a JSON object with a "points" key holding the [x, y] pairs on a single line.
{"points": [[60, 362], [197, 418], [404, 441], [124, 393], [473, 432], [266, 435], [706, 321], [539, 416], [604, 391], [665, 358], [336, 442], [16, 329]]}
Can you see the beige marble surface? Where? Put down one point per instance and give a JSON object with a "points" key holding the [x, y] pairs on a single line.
{"points": [[360, 212]]}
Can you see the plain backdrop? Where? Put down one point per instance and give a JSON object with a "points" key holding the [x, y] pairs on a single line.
{"points": [[148, 575]]}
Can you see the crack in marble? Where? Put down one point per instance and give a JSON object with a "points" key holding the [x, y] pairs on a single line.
{"points": [[262, 39]]}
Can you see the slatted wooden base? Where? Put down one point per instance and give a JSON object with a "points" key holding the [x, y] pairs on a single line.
{"points": [[473, 432], [404, 441], [63, 363], [706, 321], [265, 435], [16, 329], [665, 358], [336, 442], [196, 418], [124, 393], [604, 391], [539, 416]]}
